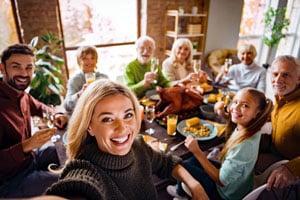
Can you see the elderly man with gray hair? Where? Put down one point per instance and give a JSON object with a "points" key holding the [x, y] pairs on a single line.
{"points": [[283, 143]]}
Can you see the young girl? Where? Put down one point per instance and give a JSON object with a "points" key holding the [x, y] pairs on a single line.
{"points": [[233, 177], [87, 58]]}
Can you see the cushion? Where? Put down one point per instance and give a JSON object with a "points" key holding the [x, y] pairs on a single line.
{"points": [[216, 58]]}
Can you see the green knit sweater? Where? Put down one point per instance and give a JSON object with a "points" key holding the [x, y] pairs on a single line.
{"points": [[98, 175], [134, 75]]}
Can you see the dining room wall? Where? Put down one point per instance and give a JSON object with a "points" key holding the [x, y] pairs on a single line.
{"points": [[223, 24]]}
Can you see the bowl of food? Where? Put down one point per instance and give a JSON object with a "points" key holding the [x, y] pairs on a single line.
{"points": [[207, 111]]}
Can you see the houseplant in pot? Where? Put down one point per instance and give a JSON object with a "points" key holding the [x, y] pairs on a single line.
{"points": [[275, 22], [46, 84]]}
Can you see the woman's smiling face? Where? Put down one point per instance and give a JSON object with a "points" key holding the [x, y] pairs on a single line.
{"points": [[114, 124]]}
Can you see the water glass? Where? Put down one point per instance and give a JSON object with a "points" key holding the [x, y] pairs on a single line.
{"points": [[150, 116]]}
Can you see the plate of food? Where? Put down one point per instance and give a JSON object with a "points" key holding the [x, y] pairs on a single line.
{"points": [[152, 95], [201, 129]]}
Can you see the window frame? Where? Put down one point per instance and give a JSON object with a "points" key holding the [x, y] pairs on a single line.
{"points": [[75, 47]]}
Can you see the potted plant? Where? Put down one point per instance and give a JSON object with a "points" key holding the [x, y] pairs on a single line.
{"points": [[275, 22], [46, 84]]}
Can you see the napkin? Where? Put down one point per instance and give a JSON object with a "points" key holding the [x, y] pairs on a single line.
{"points": [[220, 127], [154, 143]]}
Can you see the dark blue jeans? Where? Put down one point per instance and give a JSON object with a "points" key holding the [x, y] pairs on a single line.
{"points": [[197, 171], [35, 179]]}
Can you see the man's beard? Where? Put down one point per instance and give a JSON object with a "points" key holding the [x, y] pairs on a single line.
{"points": [[13, 83]]}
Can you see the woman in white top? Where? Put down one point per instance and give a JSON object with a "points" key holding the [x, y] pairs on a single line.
{"points": [[245, 74], [178, 67]]}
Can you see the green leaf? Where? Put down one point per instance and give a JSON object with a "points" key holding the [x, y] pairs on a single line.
{"points": [[275, 21], [46, 85], [34, 41]]}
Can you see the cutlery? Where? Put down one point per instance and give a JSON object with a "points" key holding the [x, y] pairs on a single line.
{"points": [[173, 148], [163, 140]]}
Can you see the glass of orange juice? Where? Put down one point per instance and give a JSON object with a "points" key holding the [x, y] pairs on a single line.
{"points": [[171, 124], [90, 77]]}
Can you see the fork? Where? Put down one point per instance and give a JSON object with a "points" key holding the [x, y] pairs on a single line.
{"points": [[173, 148]]}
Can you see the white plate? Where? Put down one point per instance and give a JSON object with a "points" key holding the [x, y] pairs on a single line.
{"points": [[152, 95], [213, 130]]}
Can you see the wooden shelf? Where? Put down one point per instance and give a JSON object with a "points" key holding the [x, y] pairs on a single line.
{"points": [[176, 13], [174, 29]]}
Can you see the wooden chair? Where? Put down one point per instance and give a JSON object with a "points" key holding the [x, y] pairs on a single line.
{"points": [[216, 58]]}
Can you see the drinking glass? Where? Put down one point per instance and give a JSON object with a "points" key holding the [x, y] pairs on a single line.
{"points": [[90, 77], [48, 119], [150, 116], [172, 124], [154, 62], [228, 63], [48, 116], [197, 68]]}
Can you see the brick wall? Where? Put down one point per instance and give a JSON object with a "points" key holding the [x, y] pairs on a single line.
{"points": [[37, 17]]}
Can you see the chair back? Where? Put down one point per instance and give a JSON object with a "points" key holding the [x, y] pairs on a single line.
{"points": [[255, 193], [262, 178]]}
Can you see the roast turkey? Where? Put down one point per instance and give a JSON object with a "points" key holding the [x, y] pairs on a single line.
{"points": [[178, 99]]}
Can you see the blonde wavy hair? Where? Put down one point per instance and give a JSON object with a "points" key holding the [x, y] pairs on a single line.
{"points": [[185, 42], [77, 134], [265, 106]]}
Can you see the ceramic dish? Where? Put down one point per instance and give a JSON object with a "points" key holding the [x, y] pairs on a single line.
{"points": [[213, 130]]}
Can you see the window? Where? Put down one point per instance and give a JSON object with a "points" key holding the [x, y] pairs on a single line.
{"points": [[8, 30], [291, 43], [252, 28], [111, 26]]}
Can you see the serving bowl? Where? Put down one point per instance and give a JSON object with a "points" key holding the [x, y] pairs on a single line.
{"points": [[207, 111]]}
